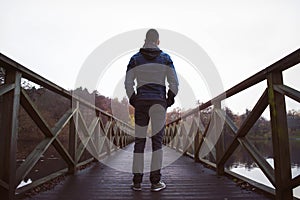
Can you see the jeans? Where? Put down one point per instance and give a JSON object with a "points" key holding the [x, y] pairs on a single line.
{"points": [[145, 111]]}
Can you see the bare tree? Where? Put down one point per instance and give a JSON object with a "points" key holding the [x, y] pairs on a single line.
{"points": [[2, 75]]}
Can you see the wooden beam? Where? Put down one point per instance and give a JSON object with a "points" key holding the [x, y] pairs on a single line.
{"points": [[295, 182], [32, 159], [197, 140], [280, 138], [220, 145], [33, 112], [290, 92], [189, 137], [6, 88], [86, 137], [286, 62], [73, 138], [262, 163], [197, 150], [258, 158], [42, 147], [4, 185], [228, 121], [40, 181], [246, 126], [9, 135]]}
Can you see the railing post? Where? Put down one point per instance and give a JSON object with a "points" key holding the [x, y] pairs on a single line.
{"points": [[173, 135], [280, 138], [8, 136], [197, 140], [73, 138], [220, 143], [109, 137], [177, 132]]}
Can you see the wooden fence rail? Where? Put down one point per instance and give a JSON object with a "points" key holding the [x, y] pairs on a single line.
{"points": [[193, 139], [100, 138]]}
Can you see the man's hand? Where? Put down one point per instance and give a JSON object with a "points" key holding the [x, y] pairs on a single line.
{"points": [[132, 99], [170, 99]]}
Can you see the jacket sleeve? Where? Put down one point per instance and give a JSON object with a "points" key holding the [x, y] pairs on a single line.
{"points": [[172, 78], [129, 79]]}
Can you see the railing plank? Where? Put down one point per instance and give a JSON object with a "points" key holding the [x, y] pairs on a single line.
{"points": [[85, 138], [40, 181], [246, 126], [286, 62], [42, 147], [262, 163], [258, 158], [33, 158], [62, 122], [4, 185], [30, 108], [6, 88], [32, 76], [190, 137], [202, 139], [286, 90], [295, 182], [228, 121]]}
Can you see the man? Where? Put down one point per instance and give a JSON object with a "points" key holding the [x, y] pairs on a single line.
{"points": [[150, 67]]}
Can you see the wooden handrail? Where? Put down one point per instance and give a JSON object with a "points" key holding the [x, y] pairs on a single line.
{"points": [[273, 96], [10, 64], [13, 96], [281, 65]]}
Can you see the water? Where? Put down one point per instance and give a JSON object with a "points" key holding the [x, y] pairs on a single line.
{"points": [[256, 174], [23, 183]]}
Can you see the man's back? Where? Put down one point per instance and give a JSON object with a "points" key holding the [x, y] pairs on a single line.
{"points": [[150, 67]]}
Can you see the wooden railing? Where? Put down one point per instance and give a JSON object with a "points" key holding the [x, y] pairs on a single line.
{"points": [[190, 140], [112, 132]]}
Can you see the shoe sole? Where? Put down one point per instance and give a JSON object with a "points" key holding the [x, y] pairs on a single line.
{"points": [[158, 189], [136, 189]]}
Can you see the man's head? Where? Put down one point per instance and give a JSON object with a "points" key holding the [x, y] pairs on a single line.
{"points": [[152, 37]]}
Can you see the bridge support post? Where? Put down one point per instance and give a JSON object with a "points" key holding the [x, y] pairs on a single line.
{"points": [[220, 143], [280, 138], [8, 136], [73, 139], [197, 140]]}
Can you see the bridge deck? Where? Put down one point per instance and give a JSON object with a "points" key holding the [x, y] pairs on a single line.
{"points": [[185, 179]]}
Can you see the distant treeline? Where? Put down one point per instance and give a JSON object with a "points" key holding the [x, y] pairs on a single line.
{"points": [[262, 127]]}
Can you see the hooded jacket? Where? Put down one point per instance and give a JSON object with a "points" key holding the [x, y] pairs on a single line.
{"points": [[150, 67]]}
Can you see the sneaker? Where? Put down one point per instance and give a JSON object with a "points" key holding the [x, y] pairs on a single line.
{"points": [[136, 186], [158, 186]]}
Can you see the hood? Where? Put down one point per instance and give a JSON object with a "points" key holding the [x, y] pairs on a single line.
{"points": [[150, 53]]}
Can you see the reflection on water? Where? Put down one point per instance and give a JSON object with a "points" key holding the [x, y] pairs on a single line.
{"points": [[256, 174], [23, 183]]}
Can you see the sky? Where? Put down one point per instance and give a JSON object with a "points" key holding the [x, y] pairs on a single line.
{"points": [[54, 37]]}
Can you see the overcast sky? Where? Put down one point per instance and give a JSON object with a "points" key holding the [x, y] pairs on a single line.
{"points": [[54, 37]]}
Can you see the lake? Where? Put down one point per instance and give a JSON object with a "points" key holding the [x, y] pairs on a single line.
{"points": [[242, 164]]}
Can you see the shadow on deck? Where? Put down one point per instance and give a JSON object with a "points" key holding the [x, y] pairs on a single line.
{"points": [[185, 179]]}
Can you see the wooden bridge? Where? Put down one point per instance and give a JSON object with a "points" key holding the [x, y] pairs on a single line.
{"points": [[203, 177]]}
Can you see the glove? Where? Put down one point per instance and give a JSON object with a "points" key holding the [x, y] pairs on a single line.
{"points": [[132, 99], [170, 99]]}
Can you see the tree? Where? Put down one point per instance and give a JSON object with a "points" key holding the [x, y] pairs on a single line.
{"points": [[174, 114], [2, 75]]}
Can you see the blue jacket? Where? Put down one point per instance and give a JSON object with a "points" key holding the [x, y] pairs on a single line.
{"points": [[150, 67]]}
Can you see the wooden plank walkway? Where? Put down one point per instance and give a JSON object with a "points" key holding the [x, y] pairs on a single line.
{"points": [[185, 179]]}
